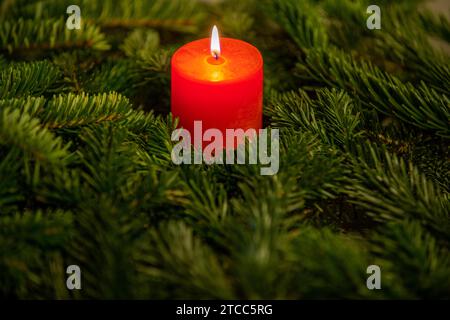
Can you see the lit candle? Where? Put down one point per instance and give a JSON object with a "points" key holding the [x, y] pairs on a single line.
{"points": [[219, 82]]}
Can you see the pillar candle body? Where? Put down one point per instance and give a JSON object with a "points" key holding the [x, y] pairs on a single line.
{"points": [[224, 92]]}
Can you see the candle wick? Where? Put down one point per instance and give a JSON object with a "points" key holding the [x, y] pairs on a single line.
{"points": [[216, 56]]}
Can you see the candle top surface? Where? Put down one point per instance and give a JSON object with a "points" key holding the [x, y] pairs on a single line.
{"points": [[238, 60]]}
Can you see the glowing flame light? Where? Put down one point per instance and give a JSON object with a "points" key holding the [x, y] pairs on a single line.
{"points": [[215, 43]]}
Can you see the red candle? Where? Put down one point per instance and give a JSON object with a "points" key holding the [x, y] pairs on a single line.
{"points": [[218, 83]]}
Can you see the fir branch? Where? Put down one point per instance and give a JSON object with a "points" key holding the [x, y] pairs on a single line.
{"points": [[295, 110], [65, 111], [432, 157], [23, 35], [315, 170], [9, 187], [106, 234], [153, 72], [140, 41], [27, 240], [186, 25], [34, 78], [238, 24], [301, 21], [207, 202], [409, 46], [318, 168], [14, 8], [119, 75], [119, 168], [333, 116], [341, 116], [439, 26], [422, 266], [273, 254], [45, 230], [30, 105], [140, 122], [156, 65], [420, 106], [347, 22], [157, 193], [179, 15], [26, 133], [258, 236], [76, 66], [392, 190], [404, 41], [177, 257], [107, 158], [321, 257], [158, 143], [60, 187]]}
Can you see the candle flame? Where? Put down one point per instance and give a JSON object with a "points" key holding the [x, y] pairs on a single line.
{"points": [[215, 43]]}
